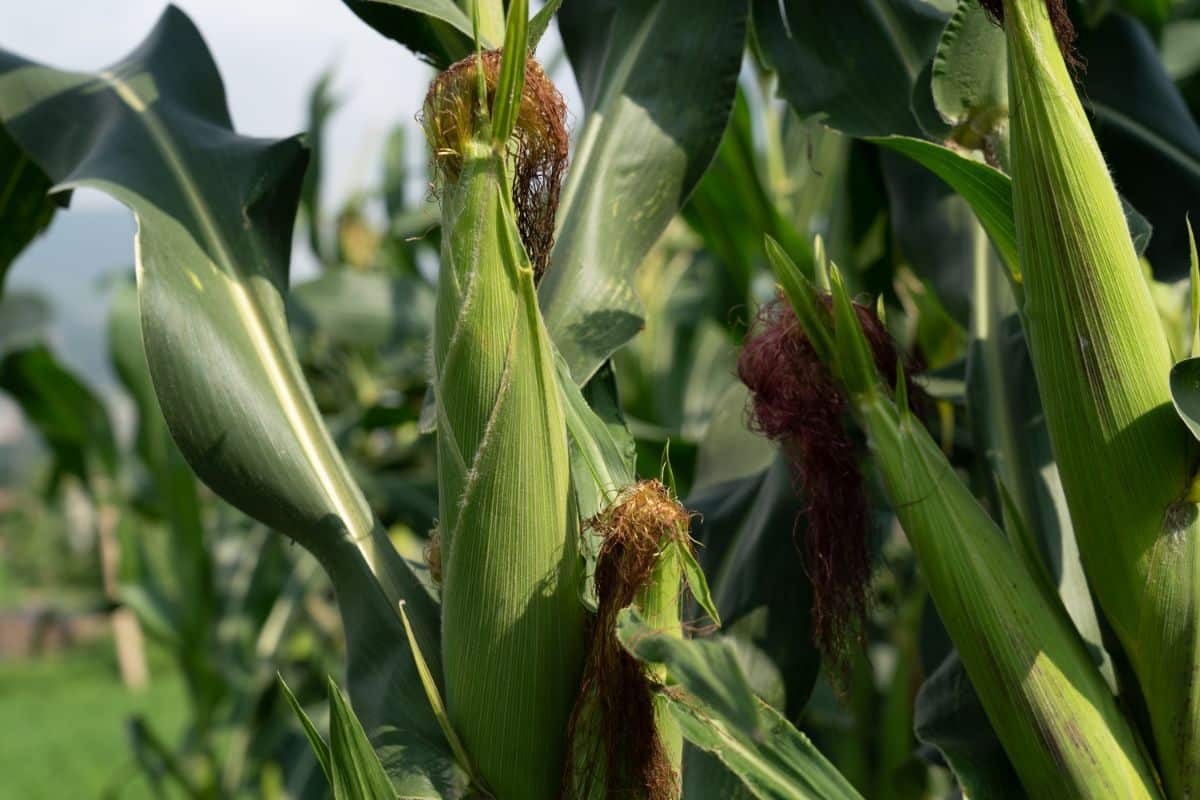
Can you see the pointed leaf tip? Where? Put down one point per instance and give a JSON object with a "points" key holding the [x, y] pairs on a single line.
{"points": [[511, 82], [855, 364]]}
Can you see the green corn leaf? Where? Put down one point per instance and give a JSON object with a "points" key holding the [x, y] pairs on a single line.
{"points": [[321, 106], [949, 716], [855, 63], [438, 31], [602, 456], [718, 712], [987, 190], [541, 21], [512, 73], [64, 411], [25, 208], [355, 770], [215, 213], [697, 583], [1185, 393], [435, 698], [657, 97], [319, 745]]}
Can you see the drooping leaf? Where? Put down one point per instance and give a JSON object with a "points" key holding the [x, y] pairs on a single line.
{"points": [[718, 712], [438, 31], [215, 213], [657, 96], [950, 717], [854, 63], [987, 190], [26, 208]]}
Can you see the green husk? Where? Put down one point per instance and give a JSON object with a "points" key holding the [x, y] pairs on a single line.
{"points": [[1102, 364], [511, 616], [1050, 706]]}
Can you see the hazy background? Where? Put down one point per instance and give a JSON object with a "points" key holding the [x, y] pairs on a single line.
{"points": [[270, 54]]}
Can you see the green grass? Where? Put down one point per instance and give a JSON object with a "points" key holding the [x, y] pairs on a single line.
{"points": [[62, 724]]}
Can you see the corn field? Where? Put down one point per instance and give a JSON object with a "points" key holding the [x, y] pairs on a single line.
{"points": [[756, 399]]}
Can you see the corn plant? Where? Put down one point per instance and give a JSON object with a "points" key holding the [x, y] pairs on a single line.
{"points": [[1041, 488]]}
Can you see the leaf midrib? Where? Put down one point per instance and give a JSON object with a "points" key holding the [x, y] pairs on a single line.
{"points": [[265, 344]]}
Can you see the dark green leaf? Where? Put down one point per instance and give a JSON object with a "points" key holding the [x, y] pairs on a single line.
{"points": [[25, 205], [657, 96], [356, 773], [72, 421], [319, 746], [950, 717], [718, 712], [1148, 136], [511, 81], [1185, 392], [438, 31], [855, 62]]}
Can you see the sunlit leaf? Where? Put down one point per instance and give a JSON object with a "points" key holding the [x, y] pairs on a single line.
{"points": [[657, 96]]}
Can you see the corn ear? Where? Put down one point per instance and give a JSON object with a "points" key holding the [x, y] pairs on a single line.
{"points": [[512, 620], [1102, 363], [1048, 703]]}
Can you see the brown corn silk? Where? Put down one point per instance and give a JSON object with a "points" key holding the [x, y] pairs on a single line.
{"points": [[619, 746], [537, 149]]}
